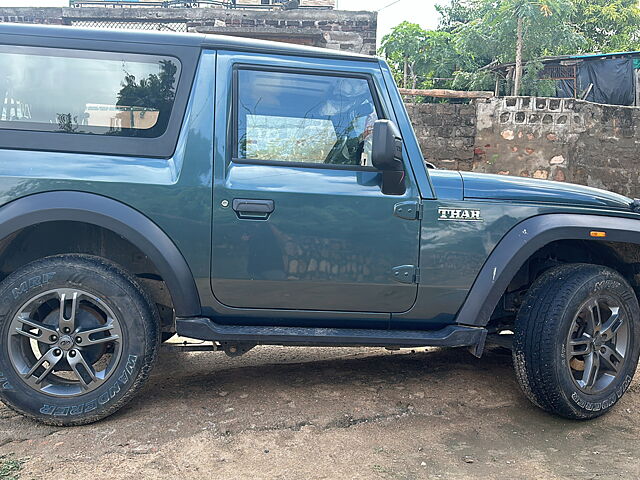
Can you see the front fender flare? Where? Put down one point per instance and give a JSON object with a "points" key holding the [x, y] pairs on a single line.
{"points": [[524, 240], [120, 219]]}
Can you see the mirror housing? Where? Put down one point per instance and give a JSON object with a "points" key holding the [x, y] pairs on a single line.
{"points": [[386, 156]]}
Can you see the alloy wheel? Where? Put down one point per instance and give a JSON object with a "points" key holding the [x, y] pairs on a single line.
{"points": [[597, 344], [65, 342]]}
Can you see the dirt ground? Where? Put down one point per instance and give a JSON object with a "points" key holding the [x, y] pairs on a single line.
{"points": [[316, 413]]}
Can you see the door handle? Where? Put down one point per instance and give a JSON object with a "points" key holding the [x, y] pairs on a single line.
{"points": [[253, 209]]}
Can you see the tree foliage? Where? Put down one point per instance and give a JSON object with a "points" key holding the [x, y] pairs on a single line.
{"points": [[476, 33], [405, 49], [607, 26]]}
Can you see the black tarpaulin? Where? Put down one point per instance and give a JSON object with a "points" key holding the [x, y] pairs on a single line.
{"points": [[612, 79]]}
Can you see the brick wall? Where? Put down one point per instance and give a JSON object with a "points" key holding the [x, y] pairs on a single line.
{"points": [[564, 140]]}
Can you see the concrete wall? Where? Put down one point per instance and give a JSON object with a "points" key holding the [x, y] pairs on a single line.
{"points": [[549, 138], [340, 30], [446, 132], [561, 139]]}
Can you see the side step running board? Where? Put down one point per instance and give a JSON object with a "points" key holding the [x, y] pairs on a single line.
{"points": [[450, 336]]}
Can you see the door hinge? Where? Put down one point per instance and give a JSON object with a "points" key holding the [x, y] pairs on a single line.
{"points": [[406, 274], [410, 210]]}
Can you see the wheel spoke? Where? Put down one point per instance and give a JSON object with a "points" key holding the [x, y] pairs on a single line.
{"points": [[68, 310], [86, 339], [580, 346], [593, 316], [612, 325], [52, 358], [591, 369], [45, 333], [79, 361], [611, 358]]}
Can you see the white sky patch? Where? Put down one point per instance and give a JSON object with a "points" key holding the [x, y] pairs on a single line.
{"points": [[422, 12]]}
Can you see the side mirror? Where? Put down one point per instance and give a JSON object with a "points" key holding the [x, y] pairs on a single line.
{"points": [[386, 156]]}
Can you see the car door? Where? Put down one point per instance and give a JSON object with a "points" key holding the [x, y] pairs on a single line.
{"points": [[299, 219]]}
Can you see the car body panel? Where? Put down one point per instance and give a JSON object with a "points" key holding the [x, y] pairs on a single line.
{"points": [[321, 247], [452, 253], [523, 189]]}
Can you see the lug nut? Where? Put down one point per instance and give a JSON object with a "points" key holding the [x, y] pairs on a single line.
{"points": [[53, 338], [57, 352], [603, 350], [66, 329], [78, 339], [72, 353]]}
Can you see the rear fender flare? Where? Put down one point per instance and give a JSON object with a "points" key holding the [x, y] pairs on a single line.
{"points": [[120, 219]]}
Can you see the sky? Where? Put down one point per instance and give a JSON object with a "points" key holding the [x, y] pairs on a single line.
{"points": [[390, 12], [393, 12]]}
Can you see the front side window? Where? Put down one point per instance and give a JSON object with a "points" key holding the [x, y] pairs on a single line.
{"points": [[82, 92], [304, 118]]}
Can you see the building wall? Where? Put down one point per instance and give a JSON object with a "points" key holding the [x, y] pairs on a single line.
{"points": [[548, 138], [340, 30], [303, 3], [446, 133]]}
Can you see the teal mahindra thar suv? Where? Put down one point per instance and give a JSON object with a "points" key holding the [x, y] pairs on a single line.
{"points": [[253, 193]]}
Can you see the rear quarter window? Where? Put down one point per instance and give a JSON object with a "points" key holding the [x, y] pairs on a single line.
{"points": [[86, 92]]}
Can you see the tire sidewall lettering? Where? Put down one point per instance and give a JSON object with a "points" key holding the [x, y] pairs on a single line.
{"points": [[607, 402], [31, 283], [101, 400]]}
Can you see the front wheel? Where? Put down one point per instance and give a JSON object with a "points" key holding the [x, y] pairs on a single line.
{"points": [[577, 340], [78, 338]]}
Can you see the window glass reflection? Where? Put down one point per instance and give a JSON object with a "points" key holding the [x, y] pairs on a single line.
{"points": [[296, 117], [72, 91]]}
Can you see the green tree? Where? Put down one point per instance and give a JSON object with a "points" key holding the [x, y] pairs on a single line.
{"points": [[417, 56], [459, 12], [530, 16], [518, 30], [607, 25], [476, 33], [404, 50]]}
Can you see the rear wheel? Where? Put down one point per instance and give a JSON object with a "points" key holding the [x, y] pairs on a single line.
{"points": [[577, 340], [77, 339]]}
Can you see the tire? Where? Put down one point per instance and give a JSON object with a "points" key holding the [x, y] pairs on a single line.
{"points": [[576, 340], [82, 365]]}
